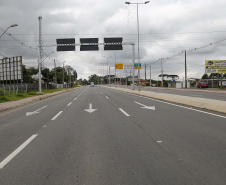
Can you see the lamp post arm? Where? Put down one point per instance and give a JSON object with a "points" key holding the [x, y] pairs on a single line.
{"points": [[4, 31]]}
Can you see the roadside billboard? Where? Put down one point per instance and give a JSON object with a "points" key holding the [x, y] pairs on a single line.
{"points": [[11, 69], [215, 66], [118, 66]]}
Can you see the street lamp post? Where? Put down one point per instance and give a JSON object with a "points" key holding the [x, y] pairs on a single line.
{"points": [[13, 25], [107, 69], [138, 36]]}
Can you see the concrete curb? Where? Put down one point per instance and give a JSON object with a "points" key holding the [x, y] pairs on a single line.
{"points": [[11, 105], [214, 105]]}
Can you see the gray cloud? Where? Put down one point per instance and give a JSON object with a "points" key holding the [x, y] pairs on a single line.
{"points": [[166, 28]]}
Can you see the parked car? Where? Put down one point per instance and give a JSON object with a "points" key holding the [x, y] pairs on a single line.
{"points": [[202, 85]]}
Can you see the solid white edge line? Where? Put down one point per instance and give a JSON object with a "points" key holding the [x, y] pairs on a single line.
{"points": [[69, 104], [123, 112], [18, 150], [179, 106], [56, 115]]}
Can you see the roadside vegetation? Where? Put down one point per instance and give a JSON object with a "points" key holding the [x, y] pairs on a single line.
{"points": [[19, 96]]}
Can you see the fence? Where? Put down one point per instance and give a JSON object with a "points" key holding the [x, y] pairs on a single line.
{"points": [[17, 89]]}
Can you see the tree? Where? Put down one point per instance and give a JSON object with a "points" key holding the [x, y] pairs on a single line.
{"points": [[94, 78], [33, 71], [27, 75], [205, 76]]}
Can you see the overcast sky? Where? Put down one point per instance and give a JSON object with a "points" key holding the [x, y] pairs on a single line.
{"points": [[167, 27]]}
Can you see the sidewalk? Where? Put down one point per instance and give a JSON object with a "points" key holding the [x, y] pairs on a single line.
{"points": [[204, 103], [14, 104], [209, 90]]}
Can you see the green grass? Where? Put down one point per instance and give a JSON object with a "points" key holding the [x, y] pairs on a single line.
{"points": [[16, 97]]}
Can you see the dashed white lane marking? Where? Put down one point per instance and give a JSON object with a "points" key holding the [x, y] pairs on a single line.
{"points": [[159, 141], [69, 104], [101, 92], [106, 97], [44, 126], [75, 99], [18, 150], [56, 115], [123, 112]]}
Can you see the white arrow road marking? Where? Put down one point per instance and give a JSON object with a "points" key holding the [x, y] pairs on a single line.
{"points": [[18, 150], [90, 110], [145, 106], [35, 112]]}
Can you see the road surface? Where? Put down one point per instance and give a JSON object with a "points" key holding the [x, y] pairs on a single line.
{"points": [[96, 135]]}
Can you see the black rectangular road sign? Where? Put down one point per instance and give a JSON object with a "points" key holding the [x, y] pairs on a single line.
{"points": [[113, 43], [66, 44], [89, 40], [89, 44]]}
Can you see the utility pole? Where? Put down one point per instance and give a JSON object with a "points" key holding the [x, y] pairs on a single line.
{"points": [[40, 54], [145, 74], [55, 71], [150, 75], [69, 78], [63, 75], [115, 67], [133, 50], [126, 77], [162, 72], [109, 76], [185, 70]]}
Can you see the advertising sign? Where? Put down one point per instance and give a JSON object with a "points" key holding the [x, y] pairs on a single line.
{"points": [[136, 65], [118, 66], [215, 66], [128, 67]]}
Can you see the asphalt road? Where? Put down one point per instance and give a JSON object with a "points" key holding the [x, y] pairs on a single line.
{"points": [[95, 135], [191, 93]]}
